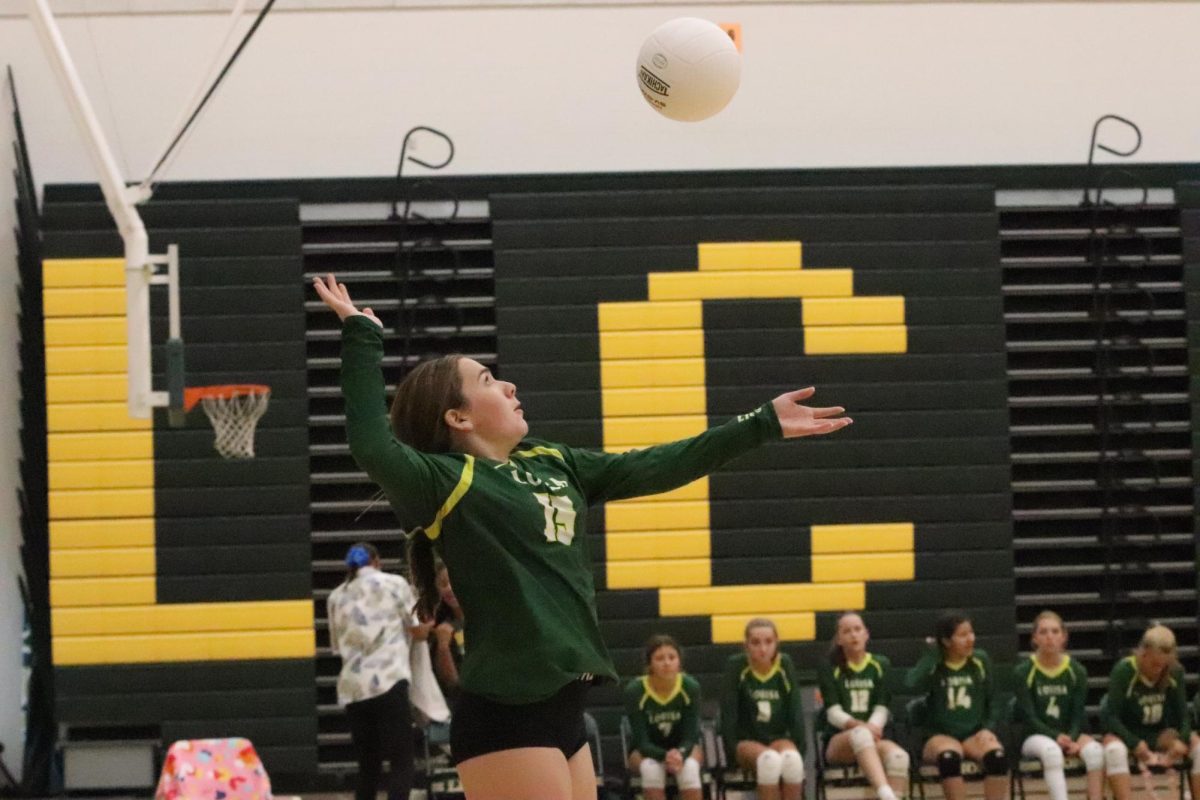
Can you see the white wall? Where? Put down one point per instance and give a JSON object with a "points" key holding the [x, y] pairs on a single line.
{"points": [[323, 93], [12, 721]]}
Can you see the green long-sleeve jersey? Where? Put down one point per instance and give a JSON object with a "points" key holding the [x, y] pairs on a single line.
{"points": [[1136, 711], [857, 688], [1051, 702], [659, 723], [961, 698], [511, 532], [761, 708]]}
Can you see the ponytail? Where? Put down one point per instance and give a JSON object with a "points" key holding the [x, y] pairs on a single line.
{"points": [[422, 571]]}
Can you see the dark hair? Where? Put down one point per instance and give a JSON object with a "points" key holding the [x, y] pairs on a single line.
{"points": [[945, 627], [418, 419], [422, 399], [361, 554], [658, 641], [837, 656]]}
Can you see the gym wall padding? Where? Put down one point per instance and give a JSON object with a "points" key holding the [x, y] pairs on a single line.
{"points": [[181, 581], [629, 318]]}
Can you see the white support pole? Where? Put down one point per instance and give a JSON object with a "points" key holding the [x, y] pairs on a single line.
{"points": [[137, 244]]}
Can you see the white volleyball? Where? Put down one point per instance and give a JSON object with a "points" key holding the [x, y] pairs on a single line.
{"points": [[689, 69]]}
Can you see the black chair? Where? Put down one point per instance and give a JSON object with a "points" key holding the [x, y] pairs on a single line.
{"points": [[726, 774], [1024, 768], [835, 775]]}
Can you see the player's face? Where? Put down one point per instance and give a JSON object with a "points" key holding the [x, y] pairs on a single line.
{"points": [[852, 635], [491, 405], [1049, 638], [1152, 663], [761, 646], [961, 643], [444, 589], [664, 662]]}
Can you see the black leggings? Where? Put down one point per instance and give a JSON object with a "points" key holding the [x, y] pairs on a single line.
{"points": [[381, 728]]}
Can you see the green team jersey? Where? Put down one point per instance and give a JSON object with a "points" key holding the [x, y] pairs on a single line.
{"points": [[858, 688], [761, 708], [960, 698], [1138, 712], [1051, 702], [662, 723], [511, 532]]}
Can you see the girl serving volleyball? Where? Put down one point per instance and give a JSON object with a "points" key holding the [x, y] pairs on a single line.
{"points": [[506, 514]]}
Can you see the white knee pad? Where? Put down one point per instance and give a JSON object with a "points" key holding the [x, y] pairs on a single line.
{"points": [[689, 776], [1116, 758], [768, 768], [793, 767], [1195, 757], [654, 774], [1093, 756], [896, 763], [861, 739]]}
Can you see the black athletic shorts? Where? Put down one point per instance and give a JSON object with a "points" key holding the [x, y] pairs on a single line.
{"points": [[480, 726]]}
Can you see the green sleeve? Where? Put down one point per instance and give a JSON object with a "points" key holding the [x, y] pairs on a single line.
{"points": [[1115, 705], [795, 703], [919, 679], [991, 719], [690, 724], [828, 689], [1026, 712], [652, 470], [416, 483], [729, 705], [639, 738], [1077, 714], [1179, 704], [885, 686]]}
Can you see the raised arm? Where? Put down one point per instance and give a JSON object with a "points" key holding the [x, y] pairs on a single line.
{"points": [[415, 482], [616, 476]]}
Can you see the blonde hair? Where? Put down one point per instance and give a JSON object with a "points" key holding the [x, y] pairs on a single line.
{"points": [[1160, 638]]}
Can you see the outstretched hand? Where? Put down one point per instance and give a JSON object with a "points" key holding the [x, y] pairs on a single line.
{"points": [[336, 296], [797, 420]]}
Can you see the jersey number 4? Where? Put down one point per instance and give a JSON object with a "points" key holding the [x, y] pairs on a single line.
{"points": [[560, 517], [957, 697]]}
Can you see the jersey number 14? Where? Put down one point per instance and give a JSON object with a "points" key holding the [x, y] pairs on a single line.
{"points": [[957, 697]]}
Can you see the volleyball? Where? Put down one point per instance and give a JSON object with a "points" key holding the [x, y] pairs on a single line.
{"points": [[688, 69]]}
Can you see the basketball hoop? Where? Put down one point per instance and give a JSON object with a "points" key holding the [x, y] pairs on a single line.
{"points": [[234, 411]]}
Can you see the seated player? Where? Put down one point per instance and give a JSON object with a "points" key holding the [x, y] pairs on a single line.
{"points": [[959, 686], [1051, 690], [762, 720], [1145, 710], [664, 718], [856, 710]]}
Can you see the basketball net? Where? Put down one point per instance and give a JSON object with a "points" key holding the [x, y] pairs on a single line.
{"points": [[234, 412]]}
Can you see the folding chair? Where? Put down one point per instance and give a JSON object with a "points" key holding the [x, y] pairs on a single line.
{"points": [[726, 775]]}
